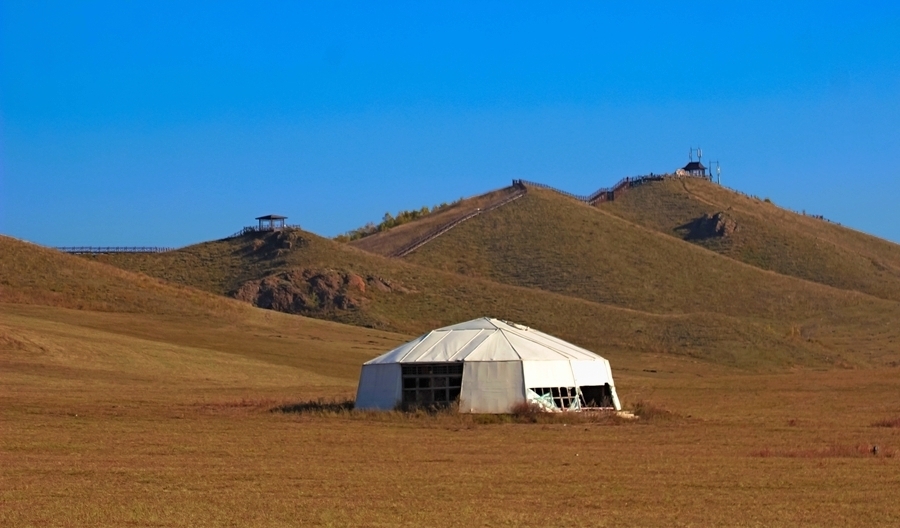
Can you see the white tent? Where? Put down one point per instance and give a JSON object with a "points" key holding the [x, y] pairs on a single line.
{"points": [[491, 366]]}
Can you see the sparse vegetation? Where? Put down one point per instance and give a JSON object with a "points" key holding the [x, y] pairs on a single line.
{"points": [[595, 279], [648, 411], [829, 451], [390, 221], [769, 237]]}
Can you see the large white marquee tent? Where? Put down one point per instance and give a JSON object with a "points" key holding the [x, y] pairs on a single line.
{"points": [[491, 366]]}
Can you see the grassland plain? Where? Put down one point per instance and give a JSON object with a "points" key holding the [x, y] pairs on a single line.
{"points": [[105, 429], [128, 401]]}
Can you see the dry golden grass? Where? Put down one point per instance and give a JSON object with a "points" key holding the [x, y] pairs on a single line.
{"points": [[593, 278], [768, 236], [107, 429], [548, 242], [146, 412], [387, 242]]}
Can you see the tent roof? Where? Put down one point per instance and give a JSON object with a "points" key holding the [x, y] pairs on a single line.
{"points": [[485, 339]]}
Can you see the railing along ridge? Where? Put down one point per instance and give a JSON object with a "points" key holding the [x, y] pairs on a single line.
{"points": [[256, 229], [440, 230], [76, 250], [602, 194]]}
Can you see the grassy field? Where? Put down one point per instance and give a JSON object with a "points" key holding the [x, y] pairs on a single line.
{"points": [[128, 419]]}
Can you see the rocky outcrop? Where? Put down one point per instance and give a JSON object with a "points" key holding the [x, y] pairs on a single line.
{"points": [[308, 291], [712, 225], [277, 242]]}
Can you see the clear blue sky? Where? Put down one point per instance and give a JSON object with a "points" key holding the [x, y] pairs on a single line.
{"points": [[169, 123]]}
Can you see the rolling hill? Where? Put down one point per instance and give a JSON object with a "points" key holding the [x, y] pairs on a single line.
{"points": [[581, 272], [764, 235], [64, 314]]}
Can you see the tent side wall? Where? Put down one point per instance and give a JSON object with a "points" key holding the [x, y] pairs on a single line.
{"points": [[569, 373], [491, 387], [555, 373], [380, 386]]}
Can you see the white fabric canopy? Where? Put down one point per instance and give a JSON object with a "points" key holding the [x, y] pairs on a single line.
{"points": [[484, 339], [502, 361]]}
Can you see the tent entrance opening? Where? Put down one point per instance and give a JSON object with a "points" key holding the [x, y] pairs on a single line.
{"points": [[596, 395], [431, 384], [572, 398]]}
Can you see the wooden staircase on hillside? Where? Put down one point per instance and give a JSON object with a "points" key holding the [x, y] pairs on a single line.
{"points": [[519, 191]]}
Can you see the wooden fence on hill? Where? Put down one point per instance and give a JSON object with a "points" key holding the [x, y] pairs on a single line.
{"points": [[256, 229], [603, 194], [96, 250], [520, 187]]}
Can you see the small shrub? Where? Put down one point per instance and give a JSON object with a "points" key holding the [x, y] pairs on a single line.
{"points": [[526, 412], [888, 422], [318, 407], [431, 410], [647, 411]]}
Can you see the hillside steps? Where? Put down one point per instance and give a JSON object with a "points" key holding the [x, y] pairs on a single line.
{"points": [[519, 191], [603, 194]]}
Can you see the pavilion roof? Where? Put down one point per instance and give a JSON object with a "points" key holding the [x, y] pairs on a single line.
{"points": [[694, 165]]}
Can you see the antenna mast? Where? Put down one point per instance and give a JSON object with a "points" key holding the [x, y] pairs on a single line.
{"points": [[718, 172]]}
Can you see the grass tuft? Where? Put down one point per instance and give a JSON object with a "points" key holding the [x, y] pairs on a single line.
{"points": [[648, 411], [888, 422], [319, 407]]}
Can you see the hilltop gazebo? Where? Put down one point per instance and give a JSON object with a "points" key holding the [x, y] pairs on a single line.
{"points": [[695, 168], [271, 222]]}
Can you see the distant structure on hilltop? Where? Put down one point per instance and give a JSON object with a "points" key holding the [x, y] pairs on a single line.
{"points": [[267, 223], [271, 222], [696, 168]]}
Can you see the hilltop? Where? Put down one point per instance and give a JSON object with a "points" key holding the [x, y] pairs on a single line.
{"points": [[758, 232], [581, 272]]}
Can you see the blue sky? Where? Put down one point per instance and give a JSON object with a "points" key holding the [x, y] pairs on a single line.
{"points": [[170, 123]]}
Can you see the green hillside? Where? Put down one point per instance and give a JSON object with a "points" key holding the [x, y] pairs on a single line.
{"points": [[764, 235]]}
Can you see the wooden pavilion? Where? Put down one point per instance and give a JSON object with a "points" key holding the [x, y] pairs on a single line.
{"points": [[271, 222]]}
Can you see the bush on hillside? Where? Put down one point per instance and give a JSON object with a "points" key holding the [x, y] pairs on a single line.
{"points": [[389, 221]]}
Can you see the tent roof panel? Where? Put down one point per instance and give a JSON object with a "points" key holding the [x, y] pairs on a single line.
{"points": [[485, 339], [494, 348]]}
